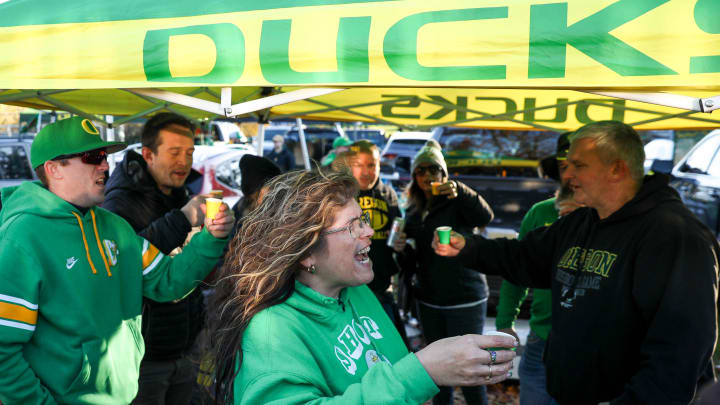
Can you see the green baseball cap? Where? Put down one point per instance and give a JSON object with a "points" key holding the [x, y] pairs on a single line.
{"points": [[67, 137], [341, 141]]}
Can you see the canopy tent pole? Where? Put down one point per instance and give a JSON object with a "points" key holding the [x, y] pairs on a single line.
{"points": [[260, 141], [340, 130], [138, 115], [225, 108], [349, 110], [38, 124], [166, 106], [29, 94], [110, 136], [70, 109], [303, 144], [668, 100]]}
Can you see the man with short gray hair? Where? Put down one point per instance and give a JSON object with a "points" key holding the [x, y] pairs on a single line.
{"points": [[634, 279]]}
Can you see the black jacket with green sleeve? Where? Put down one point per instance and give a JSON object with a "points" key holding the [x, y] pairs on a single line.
{"points": [[634, 297]]}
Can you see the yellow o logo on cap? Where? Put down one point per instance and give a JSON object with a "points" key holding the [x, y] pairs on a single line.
{"points": [[89, 127]]}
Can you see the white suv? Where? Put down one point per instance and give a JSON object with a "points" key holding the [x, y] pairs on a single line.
{"points": [[396, 157]]}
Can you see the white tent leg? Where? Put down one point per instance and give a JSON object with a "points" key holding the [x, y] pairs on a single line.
{"points": [[110, 136], [340, 129], [260, 139], [226, 100], [303, 143]]}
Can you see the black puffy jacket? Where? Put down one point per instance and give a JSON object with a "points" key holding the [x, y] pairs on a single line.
{"points": [[169, 328], [445, 281]]}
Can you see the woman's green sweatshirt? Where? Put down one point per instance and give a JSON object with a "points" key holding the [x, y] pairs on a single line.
{"points": [[71, 287], [313, 349]]}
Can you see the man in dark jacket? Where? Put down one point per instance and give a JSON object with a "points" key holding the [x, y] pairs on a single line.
{"points": [[634, 279], [380, 202], [280, 155], [149, 192]]}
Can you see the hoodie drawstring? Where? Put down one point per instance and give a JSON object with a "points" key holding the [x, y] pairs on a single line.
{"points": [[100, 248], [87, 249]]}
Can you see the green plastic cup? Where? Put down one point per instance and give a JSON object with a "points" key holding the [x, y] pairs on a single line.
{"points": [[496, 333], [443, 234]]}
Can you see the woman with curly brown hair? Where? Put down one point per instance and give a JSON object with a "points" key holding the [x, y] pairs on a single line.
{"points": [[294, 322]]}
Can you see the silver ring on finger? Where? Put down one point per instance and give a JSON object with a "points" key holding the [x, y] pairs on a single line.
{"points": [[493, 356], [489, 375]]}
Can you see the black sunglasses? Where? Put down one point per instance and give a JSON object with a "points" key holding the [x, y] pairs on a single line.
{"points": [[433, 170], [92, 157]]}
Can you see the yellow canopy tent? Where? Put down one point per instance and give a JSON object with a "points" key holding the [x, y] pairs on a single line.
{"points": [[514, 64]]}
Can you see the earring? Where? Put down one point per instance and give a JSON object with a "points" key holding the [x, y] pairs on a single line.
{"points": [[311, 269]]}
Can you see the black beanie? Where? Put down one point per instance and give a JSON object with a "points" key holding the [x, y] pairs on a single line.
{"points": [[255, 171], [549, 165]]}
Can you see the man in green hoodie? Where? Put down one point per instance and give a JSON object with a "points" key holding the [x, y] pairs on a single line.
{"points": [[72, 277]]}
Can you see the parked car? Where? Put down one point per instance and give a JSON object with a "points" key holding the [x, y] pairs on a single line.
{"points": [[396, 157], [115, 158], [219, 166], [224, 132], [697, 178], [500, 165], [319, 142], [15, 166], [376, 136], [659, 152]]}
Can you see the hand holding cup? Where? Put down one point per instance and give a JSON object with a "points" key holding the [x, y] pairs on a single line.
{"points": [[457, 243], [219, 218], [448, 188], [464, 361]]}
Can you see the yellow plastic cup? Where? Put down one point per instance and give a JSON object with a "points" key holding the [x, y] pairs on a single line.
{"points": [[443, 234], [213, 206], [435, 185]]}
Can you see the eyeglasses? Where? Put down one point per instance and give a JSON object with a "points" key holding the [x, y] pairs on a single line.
{"points": [[92, 157], [355, 226], [433, 170]]}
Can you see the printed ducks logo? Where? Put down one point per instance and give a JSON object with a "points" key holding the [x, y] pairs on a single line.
{"points": [[88, 127], [111, 251]]}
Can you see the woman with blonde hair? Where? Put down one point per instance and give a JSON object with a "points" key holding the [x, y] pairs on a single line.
{"points": [[294, 322]]}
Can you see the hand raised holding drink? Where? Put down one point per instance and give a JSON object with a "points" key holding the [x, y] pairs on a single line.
{"points": [[448, 188], [457, 243]]}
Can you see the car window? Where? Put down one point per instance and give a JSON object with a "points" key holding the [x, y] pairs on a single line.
{"points": [[373, 135], [699, 160], [228, 172], [499, 143], [270, 132], [405, 145], [714, 169], [14, 163], [496, 152]]}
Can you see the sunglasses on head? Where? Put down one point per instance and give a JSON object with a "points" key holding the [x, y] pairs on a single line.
{"points": [[433, 170], [92, 157]]}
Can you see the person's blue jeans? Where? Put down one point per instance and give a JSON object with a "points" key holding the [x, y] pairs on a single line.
{"points": [[532, 373], [442, 323]]}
